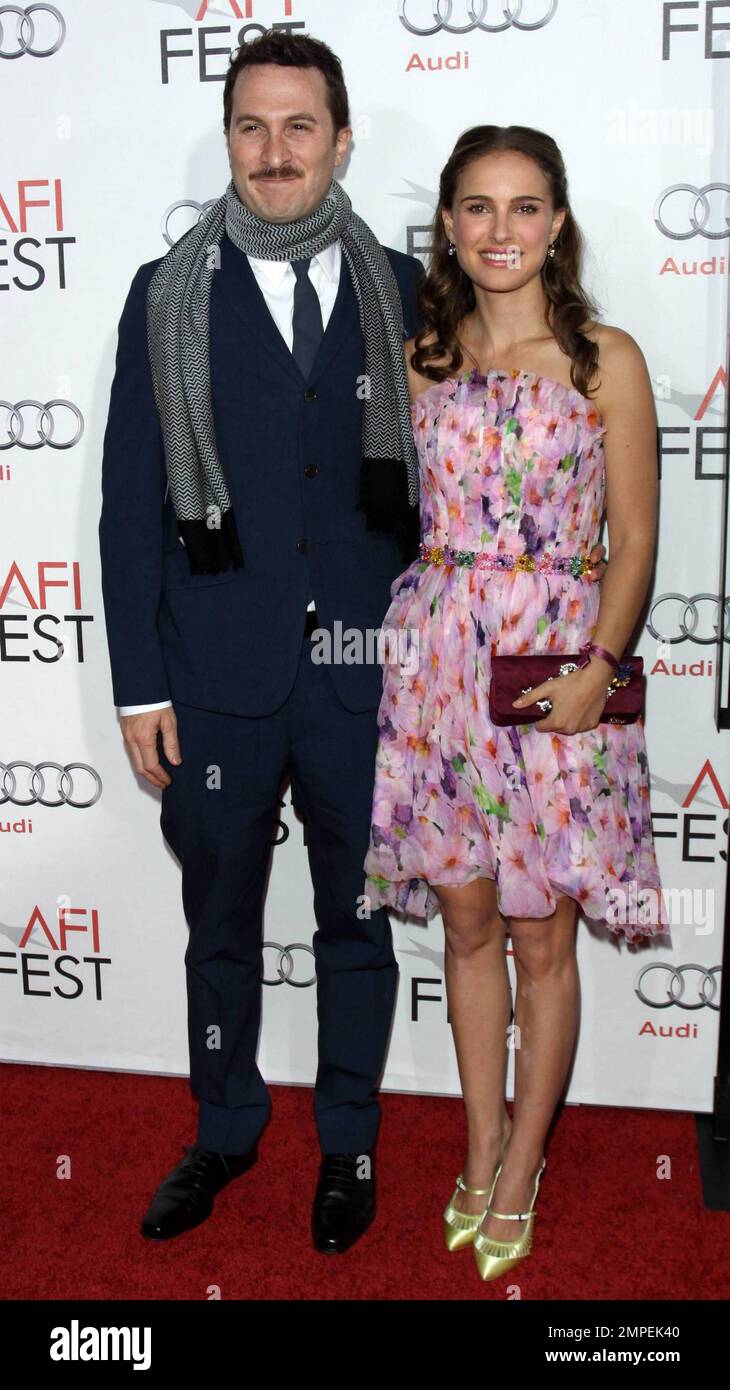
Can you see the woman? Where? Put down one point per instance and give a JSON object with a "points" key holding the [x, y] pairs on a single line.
{"points": [[529, 417]]}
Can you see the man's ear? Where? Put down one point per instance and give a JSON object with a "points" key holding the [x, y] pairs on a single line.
{"points": [[342, 145]]}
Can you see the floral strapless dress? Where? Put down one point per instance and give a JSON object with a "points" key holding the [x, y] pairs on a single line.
{"points": [[511, 462]]}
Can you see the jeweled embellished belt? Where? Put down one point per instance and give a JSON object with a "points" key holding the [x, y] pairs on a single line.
{"points": [[577, 565]]}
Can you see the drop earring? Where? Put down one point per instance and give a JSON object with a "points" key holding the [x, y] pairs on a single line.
{"points": [[551, 249], [452, 249]]}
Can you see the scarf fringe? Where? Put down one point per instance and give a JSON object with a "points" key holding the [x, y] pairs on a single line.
{"points": [[383, 498], [211, 550]]}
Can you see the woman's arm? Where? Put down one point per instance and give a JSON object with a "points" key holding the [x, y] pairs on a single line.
{"points": [[626, 402]]}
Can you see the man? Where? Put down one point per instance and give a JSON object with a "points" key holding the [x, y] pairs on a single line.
{"points": [[273, 402], [292, 505]]}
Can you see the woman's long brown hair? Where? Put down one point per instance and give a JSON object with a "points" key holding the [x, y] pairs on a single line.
{"points": [[447, 293]]}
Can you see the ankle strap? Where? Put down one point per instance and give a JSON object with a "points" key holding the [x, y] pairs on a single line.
{"points": [[473, 1191], [519, 1215], [510, 1215]]}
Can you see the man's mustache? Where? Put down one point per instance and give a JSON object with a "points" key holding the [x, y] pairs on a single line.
{"points": [[287, 171]]}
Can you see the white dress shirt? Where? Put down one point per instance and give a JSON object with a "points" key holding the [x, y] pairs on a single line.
{"points": [[276, 280]]}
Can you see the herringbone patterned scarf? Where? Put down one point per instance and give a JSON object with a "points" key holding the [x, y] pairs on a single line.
{"points": [[178, 331]]}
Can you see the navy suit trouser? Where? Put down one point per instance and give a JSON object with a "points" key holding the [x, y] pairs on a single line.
{"points": [[218, 816]]}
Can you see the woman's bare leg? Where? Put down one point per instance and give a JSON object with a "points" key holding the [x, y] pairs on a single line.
{"points": [[546, 1017], [480, 1003]]}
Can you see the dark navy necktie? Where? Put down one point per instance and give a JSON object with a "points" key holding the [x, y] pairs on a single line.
{"points": [[307, 321]]}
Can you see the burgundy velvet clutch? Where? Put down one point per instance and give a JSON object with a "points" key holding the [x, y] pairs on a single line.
{"points": [[512, 675]]}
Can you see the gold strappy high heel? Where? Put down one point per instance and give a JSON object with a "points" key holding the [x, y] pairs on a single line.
{"points": [[495, 1257], [460, 1227]]}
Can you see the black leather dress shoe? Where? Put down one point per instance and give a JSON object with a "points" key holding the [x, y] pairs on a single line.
{"points": [[187, 1195], [344, 1203]]}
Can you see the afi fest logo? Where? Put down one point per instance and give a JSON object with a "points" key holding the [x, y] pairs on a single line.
{"points": [[703, 442], [29, 631], [705, 20], [32, 229], [60, 959], [211, 51], [702, 833]]}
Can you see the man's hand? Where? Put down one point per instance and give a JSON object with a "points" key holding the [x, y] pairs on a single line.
{"points": [[140, 733], [599, 564]]}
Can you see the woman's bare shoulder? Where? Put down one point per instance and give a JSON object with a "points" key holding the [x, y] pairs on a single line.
{"points": [[622, 372], [618, 352]]}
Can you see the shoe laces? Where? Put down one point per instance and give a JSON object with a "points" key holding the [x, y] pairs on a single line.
{"points": [[336, 1166], [198, 1160]]}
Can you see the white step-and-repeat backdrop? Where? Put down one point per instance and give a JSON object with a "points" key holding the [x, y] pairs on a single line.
{"points": [[112, 142]]}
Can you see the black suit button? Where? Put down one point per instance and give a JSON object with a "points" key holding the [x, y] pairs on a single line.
{"points": [[311, 470], [302, 545], [310, 394]]}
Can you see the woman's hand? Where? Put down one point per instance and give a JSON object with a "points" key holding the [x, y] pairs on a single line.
{"points": [[578, 699], [599, 565]]}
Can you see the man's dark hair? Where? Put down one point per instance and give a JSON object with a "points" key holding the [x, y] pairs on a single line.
{"points": [[290, 51]]}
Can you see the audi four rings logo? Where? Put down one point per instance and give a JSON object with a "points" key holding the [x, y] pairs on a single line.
{"points": [[479, 13], [36, 784], [691, 214], [672, 981], [286, 966], [198, 208], [681, 625], [27, 39], [49, 415]]}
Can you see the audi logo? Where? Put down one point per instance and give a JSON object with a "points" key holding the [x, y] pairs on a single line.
{"points": [[694, 211], [670, 986], [25, 31], [442, 12], [286, 965], [65, 785], [684, 624], [12, 432], [200, 208]]}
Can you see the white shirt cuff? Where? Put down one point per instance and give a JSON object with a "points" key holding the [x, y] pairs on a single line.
{"points": [[142, 709]]}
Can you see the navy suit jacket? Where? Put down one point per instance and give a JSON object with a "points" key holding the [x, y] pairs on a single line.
{"points": [[291, 451]]}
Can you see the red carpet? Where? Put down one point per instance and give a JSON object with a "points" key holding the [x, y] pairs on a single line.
{"points": [[607, 1227]]}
